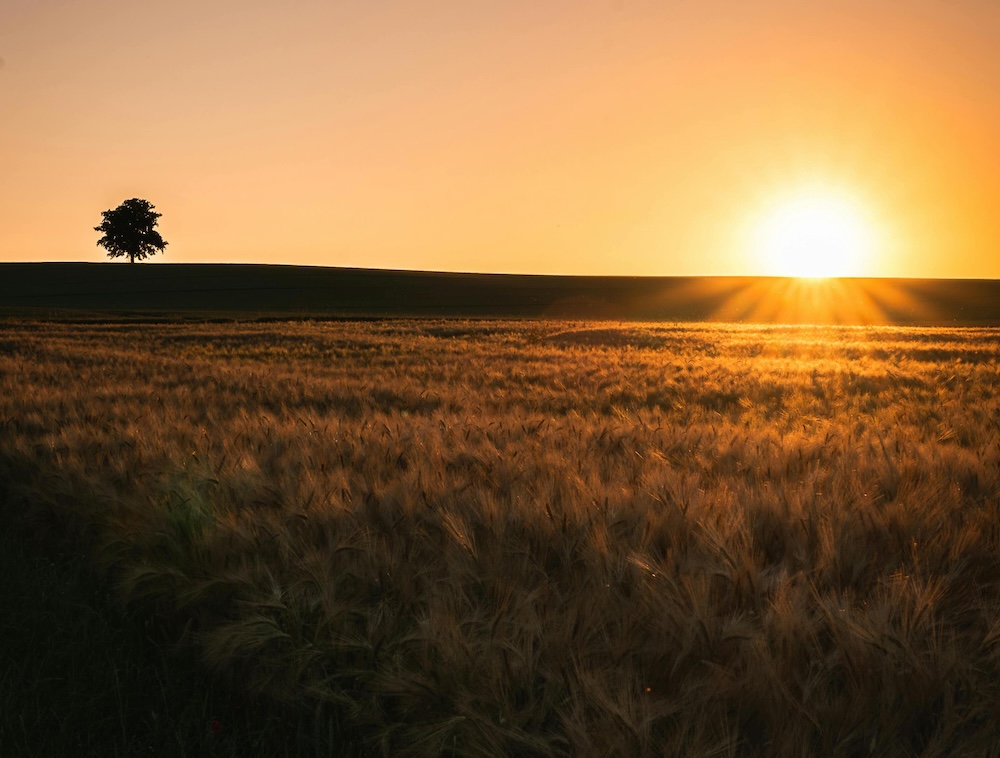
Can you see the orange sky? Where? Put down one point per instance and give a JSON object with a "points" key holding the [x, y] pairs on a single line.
{"points": [[591, 137]]}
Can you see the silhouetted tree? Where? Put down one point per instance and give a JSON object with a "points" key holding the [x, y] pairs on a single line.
{"points": [[129, 230]]}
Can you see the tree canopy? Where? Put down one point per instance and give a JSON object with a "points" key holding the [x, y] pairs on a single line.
{"points": [[130, 230]]}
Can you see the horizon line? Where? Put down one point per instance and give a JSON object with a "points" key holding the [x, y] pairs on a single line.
{"points": [[775, 277]]}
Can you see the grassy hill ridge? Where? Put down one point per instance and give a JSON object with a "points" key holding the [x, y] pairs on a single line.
{"points": [[256, 289]]}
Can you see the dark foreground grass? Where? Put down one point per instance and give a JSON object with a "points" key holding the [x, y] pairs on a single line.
{"points": [[79, 677]]}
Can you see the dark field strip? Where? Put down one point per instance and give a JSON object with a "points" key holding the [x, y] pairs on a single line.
{"points": [[535, 537], [170, 291]]}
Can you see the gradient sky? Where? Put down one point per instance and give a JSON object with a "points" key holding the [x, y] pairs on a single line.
{"points": [[538, 136]]}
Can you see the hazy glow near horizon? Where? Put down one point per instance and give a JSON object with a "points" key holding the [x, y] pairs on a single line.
{"points": [[815, 235], [540, 136]]}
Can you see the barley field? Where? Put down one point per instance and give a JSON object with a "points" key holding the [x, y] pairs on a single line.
{"points": [[486, 538]]}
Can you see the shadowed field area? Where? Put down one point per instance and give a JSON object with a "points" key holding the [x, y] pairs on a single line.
{"points": [[226, 290], [542, 537], [80, 677]]}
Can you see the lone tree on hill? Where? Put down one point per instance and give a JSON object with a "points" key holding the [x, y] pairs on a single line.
{"points": [[129, 230]]}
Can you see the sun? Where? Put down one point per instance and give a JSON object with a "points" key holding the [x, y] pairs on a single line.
{"points": [[814, 234]]}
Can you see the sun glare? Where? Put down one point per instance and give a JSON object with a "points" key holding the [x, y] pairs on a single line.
{"points": [[814, 235]]}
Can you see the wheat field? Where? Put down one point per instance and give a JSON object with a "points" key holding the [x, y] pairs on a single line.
{"points": [[484, 538]]}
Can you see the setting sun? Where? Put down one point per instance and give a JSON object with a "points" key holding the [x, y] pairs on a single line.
{"points": [[814, 235]]}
